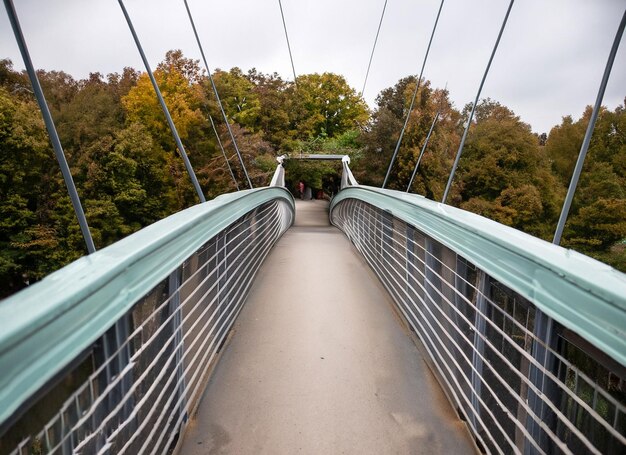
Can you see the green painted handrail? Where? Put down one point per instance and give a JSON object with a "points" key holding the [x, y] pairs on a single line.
{"points": [[47, 325], [582, 294]]}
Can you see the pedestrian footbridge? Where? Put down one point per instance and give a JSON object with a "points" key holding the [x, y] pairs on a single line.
{"points": [[379, 323]]}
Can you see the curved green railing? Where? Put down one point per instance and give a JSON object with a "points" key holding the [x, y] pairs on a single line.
{"points": [[581, 293], [50, 323], [528, 338]]}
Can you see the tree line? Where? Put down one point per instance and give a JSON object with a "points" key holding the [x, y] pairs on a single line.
{"points": [[129, 174], [507, 172]]}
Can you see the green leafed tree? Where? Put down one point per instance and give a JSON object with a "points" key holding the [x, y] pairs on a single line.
{"points": [[183, 98], [129, 173], [239, 98], [29, 179], [597, 220], [324, 105], [381, 136], [504, 172], [275, 102]]}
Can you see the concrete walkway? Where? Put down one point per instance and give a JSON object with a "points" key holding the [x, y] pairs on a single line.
{"points": [[319, 363]]}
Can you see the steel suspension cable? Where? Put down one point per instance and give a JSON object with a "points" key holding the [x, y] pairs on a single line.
{"points": [[49, 122], [217, 95], [166, 111], [417, 164], [367, 73], [217, 136], [430, 131], [293, 68], [417, 86], [590, 127], [469, 121]]}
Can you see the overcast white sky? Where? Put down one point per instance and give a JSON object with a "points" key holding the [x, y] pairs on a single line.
{"points": [[549, 63]]}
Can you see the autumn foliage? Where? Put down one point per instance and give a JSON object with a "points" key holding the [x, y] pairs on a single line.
{"points": [[129, 173]]}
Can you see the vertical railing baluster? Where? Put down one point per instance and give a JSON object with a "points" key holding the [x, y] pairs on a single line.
{"points": [[432, 288], [174, 308], [478, 352], [411, 270], [386, 219], [546, 341], [222, 288]]}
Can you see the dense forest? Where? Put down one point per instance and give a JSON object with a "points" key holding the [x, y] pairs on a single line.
{"points": [[129, 174]]}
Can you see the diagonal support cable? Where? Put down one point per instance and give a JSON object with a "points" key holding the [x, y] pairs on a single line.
{"points": [[217, 136], [417, 86], [590, 127], [293, 68], [367, 73], [432, 127], [166, 111], [430, 131], [469, 121], [52, 131], [217, 96]]}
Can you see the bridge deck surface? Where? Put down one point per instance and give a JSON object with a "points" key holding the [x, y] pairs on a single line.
{"points": [[319, 362]]}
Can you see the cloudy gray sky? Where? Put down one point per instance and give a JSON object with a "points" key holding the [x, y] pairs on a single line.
{"points": [[549, 63]]}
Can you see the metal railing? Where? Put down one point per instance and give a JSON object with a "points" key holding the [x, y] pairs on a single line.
{"points": [[527, 338], [142, 323]]}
